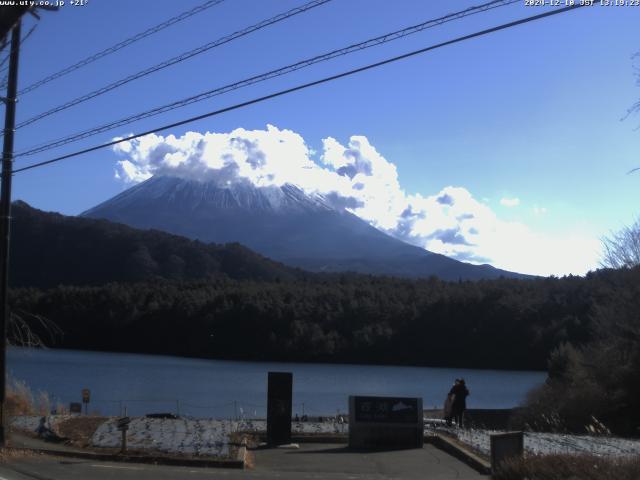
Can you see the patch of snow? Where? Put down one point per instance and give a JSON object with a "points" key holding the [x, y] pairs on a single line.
{"points": [[193, 436], [548, 443], [329, 427], [183, 435], [32, 422], [209, 437]]}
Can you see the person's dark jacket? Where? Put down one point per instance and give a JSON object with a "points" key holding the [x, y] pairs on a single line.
{"points": [[460, 393]]}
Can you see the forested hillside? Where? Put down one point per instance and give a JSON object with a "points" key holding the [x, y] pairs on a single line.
{"points": [[50, 249], [503, 323]]}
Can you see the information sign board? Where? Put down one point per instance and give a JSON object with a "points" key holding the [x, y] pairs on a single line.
{"points": [[385, 422]]}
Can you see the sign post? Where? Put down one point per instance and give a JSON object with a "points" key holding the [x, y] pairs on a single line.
{"points": [[385, 422], [123, 426], [86, 397], [279, 400]]}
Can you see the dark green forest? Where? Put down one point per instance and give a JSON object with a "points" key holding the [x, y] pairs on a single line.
{"points": [[504, 324], [50, 249]]}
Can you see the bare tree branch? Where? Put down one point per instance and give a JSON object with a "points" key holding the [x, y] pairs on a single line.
{"points": [[21, 333], [622, 249]]}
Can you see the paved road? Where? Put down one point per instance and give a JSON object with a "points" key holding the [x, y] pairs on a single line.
{"points": [[311, 461]]}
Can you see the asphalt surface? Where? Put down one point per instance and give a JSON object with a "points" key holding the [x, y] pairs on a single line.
{"points": [[311, 461]]}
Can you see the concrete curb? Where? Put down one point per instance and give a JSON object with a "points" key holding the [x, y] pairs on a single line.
{"points": [[456, 450], [237, 463], [313, 438]]}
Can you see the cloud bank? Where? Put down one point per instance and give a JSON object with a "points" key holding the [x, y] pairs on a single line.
{"points": [[357, 177]]}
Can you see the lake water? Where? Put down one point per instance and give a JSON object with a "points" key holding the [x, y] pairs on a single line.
{"points": [[224, 389]]}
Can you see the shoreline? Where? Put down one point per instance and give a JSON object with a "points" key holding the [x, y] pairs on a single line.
{"points": [[279, 362]]}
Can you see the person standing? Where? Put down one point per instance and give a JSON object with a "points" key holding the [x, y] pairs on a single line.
{"points": [[459, 393], [448, 406]]}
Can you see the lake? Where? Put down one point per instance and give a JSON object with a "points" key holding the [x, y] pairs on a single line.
{"points": [[224, 389]]}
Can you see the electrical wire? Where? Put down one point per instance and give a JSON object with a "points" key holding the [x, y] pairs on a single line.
{"points": [[3, 67], [175, 60], [267, 76], [306, 85], [125, 43]]}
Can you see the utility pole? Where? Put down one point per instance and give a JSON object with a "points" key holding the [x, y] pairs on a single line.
{"points": [[9, 15], [5, 216]]}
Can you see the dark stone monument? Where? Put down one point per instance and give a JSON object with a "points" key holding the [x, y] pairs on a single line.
{"points": [[385, 422], [505, 446], [279, 399]]}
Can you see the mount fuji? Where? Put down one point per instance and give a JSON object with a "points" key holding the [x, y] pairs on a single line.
{"points": [[283, 223]]}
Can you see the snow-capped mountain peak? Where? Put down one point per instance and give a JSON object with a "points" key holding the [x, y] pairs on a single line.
{"points": [[196, 195], [281, 222]]}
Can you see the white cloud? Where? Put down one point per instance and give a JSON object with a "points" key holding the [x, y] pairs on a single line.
{"points": [[538, 211], [509, 202], [356, 175]]}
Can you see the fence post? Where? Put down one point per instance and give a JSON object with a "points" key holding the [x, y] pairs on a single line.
{"points": [[124, 441]]}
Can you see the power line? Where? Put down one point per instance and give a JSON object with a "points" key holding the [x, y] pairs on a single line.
{"points": [[267, 76], [178, 59], [125, 43], [305, 86], [3, 68]]}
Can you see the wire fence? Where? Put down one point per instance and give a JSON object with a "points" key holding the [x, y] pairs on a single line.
{"points": [[230, 410]]}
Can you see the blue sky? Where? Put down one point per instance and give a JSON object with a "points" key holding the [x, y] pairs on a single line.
{"points": [[524, 125]]}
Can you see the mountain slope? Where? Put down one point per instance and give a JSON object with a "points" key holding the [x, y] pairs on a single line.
{"points": [[49, 249], [282, 223]]}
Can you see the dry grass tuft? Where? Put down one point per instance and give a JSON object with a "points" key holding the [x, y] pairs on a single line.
{"points": [[79, 430], [570, 467], [22, 401]]}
